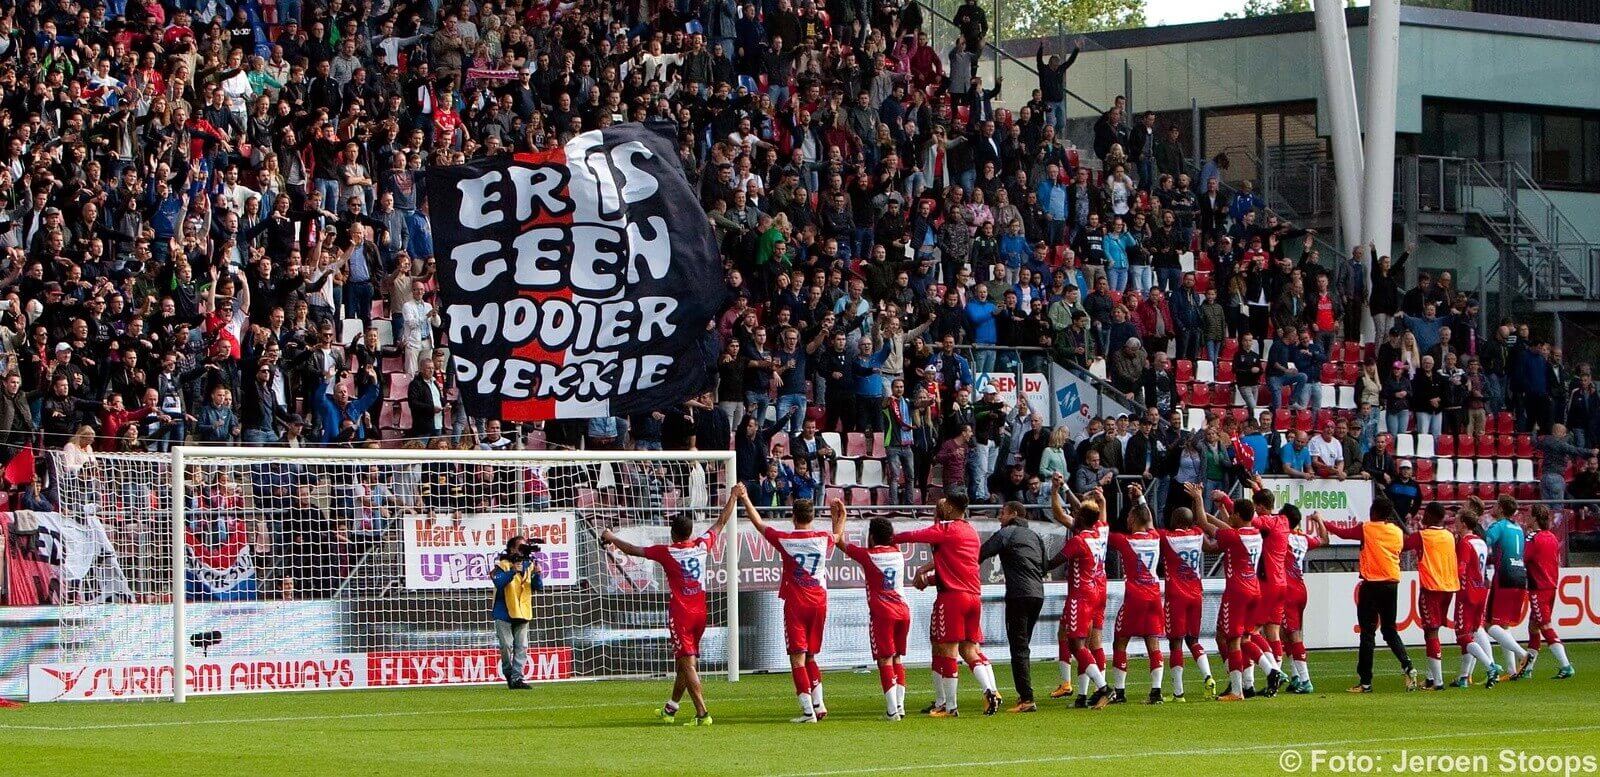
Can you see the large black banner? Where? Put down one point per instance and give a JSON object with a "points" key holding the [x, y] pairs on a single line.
{"points": [[576, 282]]}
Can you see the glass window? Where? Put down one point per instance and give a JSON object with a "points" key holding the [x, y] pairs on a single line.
{"points": [[1491, 137], [1458, 134], [1521, 141], [1561, 158], [1591, 151]]}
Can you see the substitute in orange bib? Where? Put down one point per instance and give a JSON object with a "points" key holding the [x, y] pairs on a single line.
{"points": [[1377, 595]]}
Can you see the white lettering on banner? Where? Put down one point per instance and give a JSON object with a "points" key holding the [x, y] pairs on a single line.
{"points": [[1342, 503], [390, 669], [152, 679], [461, 554], [1034, 386]]}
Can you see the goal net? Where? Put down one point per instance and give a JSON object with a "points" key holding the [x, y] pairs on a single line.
{"points": [[266, 569]]}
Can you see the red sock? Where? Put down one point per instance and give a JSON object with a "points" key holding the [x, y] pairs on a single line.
{"points": [[802, 679], [1297, 650], [1177, 657], [1261, 643], [813, 670], [1550, 636], [946, 666], [1433, 648], [900, 673], [1099, 657], [1085, 658], [1119, 658], [886, 676], [1463, 640], [1196, 649], [1156, 659], [1236, 663], [1533, 638], [1250, 651], [1277, 648], [1064, 651]]}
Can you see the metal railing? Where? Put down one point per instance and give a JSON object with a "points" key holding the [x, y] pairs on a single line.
{"points": [[990, 47]]}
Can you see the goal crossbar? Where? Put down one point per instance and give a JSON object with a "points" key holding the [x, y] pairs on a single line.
{"points": [[185, 455]]}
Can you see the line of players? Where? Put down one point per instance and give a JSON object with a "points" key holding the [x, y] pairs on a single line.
{"points": [[1264, 596]]}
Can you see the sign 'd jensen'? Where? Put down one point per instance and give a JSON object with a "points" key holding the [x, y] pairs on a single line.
{"points": [[577, 281]]}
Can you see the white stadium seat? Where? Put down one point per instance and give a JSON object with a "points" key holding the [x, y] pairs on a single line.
{"points": [[834, 442], [1424, 446], [1524, 471], [1464, 471], [1503, 469], [1405, 445], [1205, 372], [844, 473], [1330, 395], [872, 473], [1196, 420], [1445, 471], [1485, 473]]}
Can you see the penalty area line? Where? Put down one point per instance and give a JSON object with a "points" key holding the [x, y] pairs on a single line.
{"points": [[1179, 753]]}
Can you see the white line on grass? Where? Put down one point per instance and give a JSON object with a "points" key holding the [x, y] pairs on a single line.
{"points": [[344, 716], [1179, 753]]}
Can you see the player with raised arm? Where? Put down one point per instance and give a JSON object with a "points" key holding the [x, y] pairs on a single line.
{"points": [[1509, 593], [1141, 613], [684, 564], [889, 617], [1544, 573], [1182, 552], [957, 625], [1438, 571], [1083, 615], [804, 591], [1294, 598], [1240, 544], [1265, 646], [1472, 598]]}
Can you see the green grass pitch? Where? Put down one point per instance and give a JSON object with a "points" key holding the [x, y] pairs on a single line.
{"points": [[608, 728]]}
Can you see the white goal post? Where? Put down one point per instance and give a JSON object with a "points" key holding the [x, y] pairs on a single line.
{"points": [[255, 569]]}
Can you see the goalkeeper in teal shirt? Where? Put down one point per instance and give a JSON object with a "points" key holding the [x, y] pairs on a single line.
{"points": [[1509, 595]]}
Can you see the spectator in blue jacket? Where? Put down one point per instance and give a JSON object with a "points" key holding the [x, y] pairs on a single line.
{"points": [[870, 385], [1116, 245], [1530, 383], [340, 418], [980, 321], [1283, 371], [1014, 250], [1425, 327], [1185, 302], [1053, 200]]}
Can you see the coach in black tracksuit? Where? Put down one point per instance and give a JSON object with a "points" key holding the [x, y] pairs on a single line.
{"points": [[1022, 558]]}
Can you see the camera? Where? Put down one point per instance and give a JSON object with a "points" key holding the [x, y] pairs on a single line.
{"points": [[523, 550]]}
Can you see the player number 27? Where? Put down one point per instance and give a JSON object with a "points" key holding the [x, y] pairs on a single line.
{"points": [[808, 562]]}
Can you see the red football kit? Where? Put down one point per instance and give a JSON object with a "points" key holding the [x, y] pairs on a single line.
{"points": [[958, 609], [804, 587], [1241, 551], [1182, 552], [1472, 601], [1274, 576], [887, 612], [684, 564], [1542, 555], [1294, 597], [1141, 614], [1085, 607]]}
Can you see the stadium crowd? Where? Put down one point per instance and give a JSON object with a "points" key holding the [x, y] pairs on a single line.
{"points": [[213, 232]]}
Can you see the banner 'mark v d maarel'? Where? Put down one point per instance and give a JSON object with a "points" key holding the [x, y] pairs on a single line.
{"points": [[577, 281]]}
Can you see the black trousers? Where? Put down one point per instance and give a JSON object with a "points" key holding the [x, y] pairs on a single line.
{"points": [[1021, 616], [1375, 610]]}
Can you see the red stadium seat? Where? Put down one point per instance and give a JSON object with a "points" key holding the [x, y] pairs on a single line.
{"points": [[1230, 349], [1353, 353], [1330, 373], [1222, 395], [1424, 469], [1466, 446], [1444, 446], [1202, 281], [1486, 491], [1505, 446], [855, 445], [1525, 490], [1240, 415], [1502, 423], [1426, 490], [1302, 420], [1523, 447], [1324, 418], [1185, 370], [875, 446], [1445, 492], [1281, 420], [1225, 372], [1202, 261], [1349, 374], [1185, 393]]}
